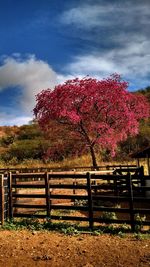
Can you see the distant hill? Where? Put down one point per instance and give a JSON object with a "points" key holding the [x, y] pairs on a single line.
{"points": [[145, 92]]}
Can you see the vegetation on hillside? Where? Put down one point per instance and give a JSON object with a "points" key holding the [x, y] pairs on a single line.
{"points": [[27, 142]]}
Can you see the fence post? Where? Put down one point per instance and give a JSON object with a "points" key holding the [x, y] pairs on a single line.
{"points": [[142, 180], [74, 183], [10, 196], [90, 202], [47, 192], [2, 199], [130, 190], [116, 193]]}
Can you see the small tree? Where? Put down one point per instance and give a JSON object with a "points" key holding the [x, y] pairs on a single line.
{"points": [[101, 112]]}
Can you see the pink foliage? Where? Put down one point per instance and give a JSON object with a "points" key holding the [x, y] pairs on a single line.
{"points": [[102, 111]]}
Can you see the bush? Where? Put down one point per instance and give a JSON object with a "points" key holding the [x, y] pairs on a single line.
{"points": [[139, 221], [108, 215]]}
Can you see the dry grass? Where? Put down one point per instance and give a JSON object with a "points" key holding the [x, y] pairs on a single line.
{"points": [[82, 161]]}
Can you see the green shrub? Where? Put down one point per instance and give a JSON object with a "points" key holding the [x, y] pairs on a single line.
{"points": [[108, 215], [139, 221]]}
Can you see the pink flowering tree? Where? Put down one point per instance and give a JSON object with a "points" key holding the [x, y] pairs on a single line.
{"points": [[101, 112]]}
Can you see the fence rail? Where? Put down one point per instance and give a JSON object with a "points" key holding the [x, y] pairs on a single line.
{"points": [[49, 169], [79, 196]]}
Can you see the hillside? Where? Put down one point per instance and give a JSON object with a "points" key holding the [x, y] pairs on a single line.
{"points": [[27, 142]]}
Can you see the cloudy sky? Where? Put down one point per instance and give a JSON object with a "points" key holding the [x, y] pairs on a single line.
{"points": [[43, 43]]}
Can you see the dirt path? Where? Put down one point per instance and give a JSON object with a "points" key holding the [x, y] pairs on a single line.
{"points": [[25, 248]]}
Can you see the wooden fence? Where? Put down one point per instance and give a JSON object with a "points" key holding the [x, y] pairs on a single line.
{"points": [[4, 191], [81, 196], [82, 168]]}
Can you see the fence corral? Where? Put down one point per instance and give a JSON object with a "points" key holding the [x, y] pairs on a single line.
{"points": [[92, 197], [79, 168], [4, 195]]}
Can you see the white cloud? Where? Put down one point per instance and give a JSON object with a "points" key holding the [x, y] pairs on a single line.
{"points": [[91, 64], [119, 36], [30, 75], [88, 16], [11, 120], [20, 120], [130, 60], [91, 18]]}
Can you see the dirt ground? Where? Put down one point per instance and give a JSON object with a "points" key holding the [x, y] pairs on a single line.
{"points": [[41, 249], [26, 248]]}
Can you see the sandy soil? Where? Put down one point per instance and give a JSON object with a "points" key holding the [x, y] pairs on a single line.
{"points": [[41, 249], [26, 248]]}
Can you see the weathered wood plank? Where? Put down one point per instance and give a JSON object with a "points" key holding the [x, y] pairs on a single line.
{"points": [[90, 201], [10, 196], [129, 184], [47, 193], [29, 206], [2, 201]]}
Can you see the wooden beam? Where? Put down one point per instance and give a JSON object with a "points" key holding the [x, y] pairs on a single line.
{"points": [[90, 201], [148, 172], [138, 162], [148, 164], [2, 199], [10, 196], [47, 193]]}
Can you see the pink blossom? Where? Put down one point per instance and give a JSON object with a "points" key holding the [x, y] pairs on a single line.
{"points": [[101, 111]]}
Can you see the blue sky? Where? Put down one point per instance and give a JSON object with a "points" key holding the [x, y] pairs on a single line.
{"points": [[44, 43]]}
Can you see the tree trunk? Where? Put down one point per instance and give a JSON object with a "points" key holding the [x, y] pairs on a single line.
{"points": [[93, 157], [89, 143]]}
